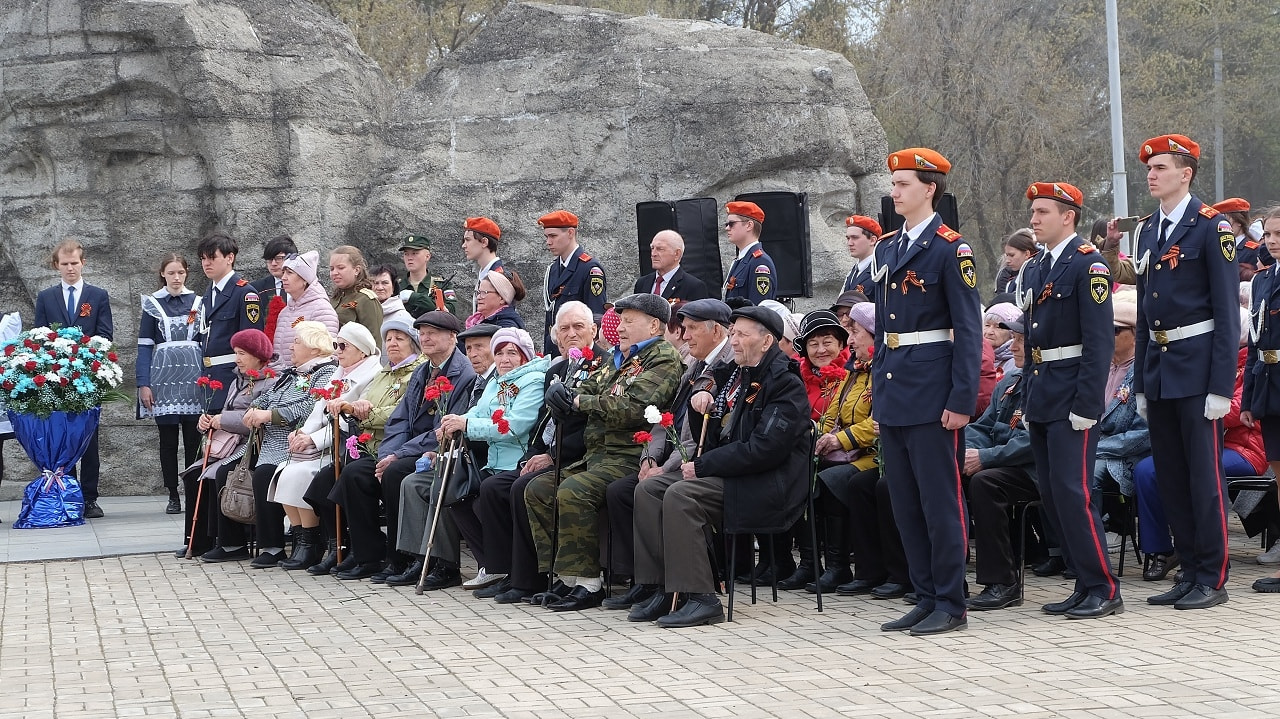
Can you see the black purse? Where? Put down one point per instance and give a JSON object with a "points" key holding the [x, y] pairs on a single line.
{"points": [[464, 484]]}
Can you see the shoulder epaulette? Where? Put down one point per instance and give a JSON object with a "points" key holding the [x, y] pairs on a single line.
{"points": [[1251, 244], [1208, 211], [887, 235], [439, 280], [1086, 248], [1144, 219], [368, 293], [584, 257], [241, 282], [947, 233], [757, 253]]}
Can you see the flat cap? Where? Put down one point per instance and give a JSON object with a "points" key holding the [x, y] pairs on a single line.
{"points": [[764, 316], [439, 319], [645, 302], [483, 329], [706, 310]]}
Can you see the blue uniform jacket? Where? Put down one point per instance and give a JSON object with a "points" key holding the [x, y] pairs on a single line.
{"points": [[861, 282], [753, 277], [93, 310], [1261, 394], [583, 280], [239, 307], [1199, 282], [999, 435], [932, 287], [1070, 305]]}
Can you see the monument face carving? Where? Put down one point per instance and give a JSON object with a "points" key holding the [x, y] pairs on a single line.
{"points": [[139, 125]]}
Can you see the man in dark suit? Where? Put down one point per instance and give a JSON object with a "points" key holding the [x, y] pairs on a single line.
{"points": [[668, 279], [274, 253], [1068, 342], [229, 305], [74, 303], [860, 235]]}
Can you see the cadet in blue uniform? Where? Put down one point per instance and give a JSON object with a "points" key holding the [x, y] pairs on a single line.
{"points": [[925, 386], [1249, 250], [1261, 397], [1185, 369], [573, 275], [1066, 294], [860, 235], [752, 275], [230, 304]]}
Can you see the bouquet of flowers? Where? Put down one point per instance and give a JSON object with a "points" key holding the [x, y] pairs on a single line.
{"points": [[46, 371], [438, 392], [653, 415]]}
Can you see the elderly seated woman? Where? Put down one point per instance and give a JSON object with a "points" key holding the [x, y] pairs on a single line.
{"points": [[275, 413], [371, 408], [496, 296], [225, 446], [503, 417], [358, 362]]}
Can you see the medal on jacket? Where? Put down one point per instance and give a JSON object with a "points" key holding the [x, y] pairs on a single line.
{"points": [[912, 279], [1044, 294], [1171, 256]]}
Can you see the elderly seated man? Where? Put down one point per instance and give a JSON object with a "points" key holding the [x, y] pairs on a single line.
{"points": [[753, 477], [645, 371]]}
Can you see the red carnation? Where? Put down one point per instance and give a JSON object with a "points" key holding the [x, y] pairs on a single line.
{"points": [[444, 384], [431, 394], [113, 356], [215, 385], [9, 350], [588, 353], [39, 380], [253, 373], [504, 427], [97, 366], [832, 373], [52, 336], [8, 384], [642, 437], [62, 381], [364, 437], [202, 382], [73, 349], [668, 419], [497, 414], [268, 372], [75, 375]]}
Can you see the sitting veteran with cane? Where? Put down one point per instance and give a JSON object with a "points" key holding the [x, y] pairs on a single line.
{"points": [[751, 477]]}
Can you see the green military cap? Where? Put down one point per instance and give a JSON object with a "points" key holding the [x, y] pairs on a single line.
{"points": [[415, 242]]}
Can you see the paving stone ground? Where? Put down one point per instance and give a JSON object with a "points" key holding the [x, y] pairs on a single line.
{"points": [[148, 635]]}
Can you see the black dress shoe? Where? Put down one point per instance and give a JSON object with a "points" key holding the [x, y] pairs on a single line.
{"points": [[830, 580], [1065, 605], [348, 562], [1094, 607], [889, 590], [906, 621], [396, 565], [659, 605], [362, 570], [1158, 566], [514, 595], [911, 598], [493, 590], [558, 591], [174, 507], [1268, 585], [329, 561], [698, 609], [444, 575], [802, 575], [410, 575], [995, 596], [1202, 596], [1051, 567], [218, 554], [938, 622], [267, 560], [637, 594], [1172, 596], [858, 586], [578, 599], [92, 511]]}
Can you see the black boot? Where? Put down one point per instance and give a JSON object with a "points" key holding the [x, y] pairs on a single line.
{"points": [[836, 553], [329, 561], [808, 568], [294, 540], [309, 553]]}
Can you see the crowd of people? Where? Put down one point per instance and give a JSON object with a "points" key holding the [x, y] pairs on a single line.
{"points": [[660, 437]]}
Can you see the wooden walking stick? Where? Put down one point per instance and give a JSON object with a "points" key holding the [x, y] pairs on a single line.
{"points": [[441, 483], [337, 508], [195, 513]]}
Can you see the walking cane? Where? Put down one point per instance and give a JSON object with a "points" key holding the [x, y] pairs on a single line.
{"points": [[195, 513], [555, 514], [702, 437], [441, 483], [337, 508]]}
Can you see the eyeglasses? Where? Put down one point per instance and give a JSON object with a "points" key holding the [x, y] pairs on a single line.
{"points": [[729, 225], [280, 257], [483, 293], [342, 346]]}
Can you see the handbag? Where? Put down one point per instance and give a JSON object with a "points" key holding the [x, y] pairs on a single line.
{"points": [[222, 443], [464, 484], [235, 499]]}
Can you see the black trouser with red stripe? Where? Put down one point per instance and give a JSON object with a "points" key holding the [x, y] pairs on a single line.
{"points": [[1187, 451], [922, 468], [1064, 470]]}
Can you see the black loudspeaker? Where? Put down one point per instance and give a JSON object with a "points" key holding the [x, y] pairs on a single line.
{"points": [[696, 219], [947, 208], [786, 239]]}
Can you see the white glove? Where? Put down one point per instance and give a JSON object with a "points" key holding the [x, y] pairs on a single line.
{"points": [[1216, 406], [1141, 399], [1079, 423], [405, 295]]}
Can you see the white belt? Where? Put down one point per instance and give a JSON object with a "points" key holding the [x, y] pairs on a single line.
{"points": [[1164, 337], [894, 340], [1040, 356], [219, 360]]}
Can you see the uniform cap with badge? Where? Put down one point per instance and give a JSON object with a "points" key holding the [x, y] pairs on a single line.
{"points": [[1062, 192], [415, 242], [1168, 145], [865, 223], [919, 158]]}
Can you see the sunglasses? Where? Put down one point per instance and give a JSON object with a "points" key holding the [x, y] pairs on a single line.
{"points": [[729, 225], [342, 346]]}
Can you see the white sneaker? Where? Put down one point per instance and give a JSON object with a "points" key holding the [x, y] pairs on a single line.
{"points": [[482, 580], [1271, 556], [1114, 542]]}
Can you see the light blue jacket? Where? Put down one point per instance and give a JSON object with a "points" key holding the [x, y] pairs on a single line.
{"points": [[518, 394]]}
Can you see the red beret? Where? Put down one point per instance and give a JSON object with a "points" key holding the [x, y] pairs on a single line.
{"points": [[1060, 191], [558, 219], [745, 209], [1170, 145], [919, 158], [253, 341], [865, 223], [1232, 204], [483, 225]]}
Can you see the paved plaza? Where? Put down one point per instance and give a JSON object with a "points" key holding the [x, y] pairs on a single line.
{"points": [[147, 635]]}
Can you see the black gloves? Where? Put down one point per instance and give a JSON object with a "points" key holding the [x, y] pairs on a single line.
{"points": [[560, 400]]}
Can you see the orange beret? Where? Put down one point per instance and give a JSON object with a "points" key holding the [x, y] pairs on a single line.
{"points": [[1232, 204], [1060, 191], [865, 223], [919, 158], [1168, 144], [745, 209], [558, 219], [484, 226]]}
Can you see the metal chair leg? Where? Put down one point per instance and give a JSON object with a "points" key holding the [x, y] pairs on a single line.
{"points": [[732, 544]]}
